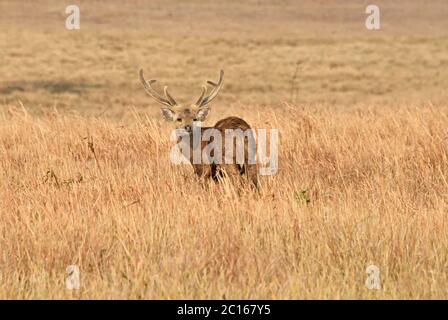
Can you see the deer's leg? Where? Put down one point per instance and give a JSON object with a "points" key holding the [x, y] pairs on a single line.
{"points": [[252, 174]]}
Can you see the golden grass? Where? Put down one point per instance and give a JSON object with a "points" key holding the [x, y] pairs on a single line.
{"points": [[139, 227], [85, 176]]}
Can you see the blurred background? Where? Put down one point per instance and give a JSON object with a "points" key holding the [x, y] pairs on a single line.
{"points": [[299, 52]]}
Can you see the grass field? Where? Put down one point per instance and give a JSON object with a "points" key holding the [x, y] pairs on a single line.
{"points": [[86, 179]]}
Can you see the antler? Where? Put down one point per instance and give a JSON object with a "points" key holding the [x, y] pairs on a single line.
{"points": [[203, 100], [168, 100]]}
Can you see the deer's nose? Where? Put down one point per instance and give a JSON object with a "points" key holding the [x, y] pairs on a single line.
{"points": [[187, 128]]}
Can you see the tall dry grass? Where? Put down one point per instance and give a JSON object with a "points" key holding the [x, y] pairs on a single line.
{"points": [[85, 176], [356, 186]]}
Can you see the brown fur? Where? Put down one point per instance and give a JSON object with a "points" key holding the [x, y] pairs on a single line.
{"points": [[217, 171]]}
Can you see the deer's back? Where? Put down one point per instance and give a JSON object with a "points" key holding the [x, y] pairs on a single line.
{"points": [[232, 123]]}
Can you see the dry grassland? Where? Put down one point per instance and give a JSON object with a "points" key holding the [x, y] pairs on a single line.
{"points": [[85, 175]]}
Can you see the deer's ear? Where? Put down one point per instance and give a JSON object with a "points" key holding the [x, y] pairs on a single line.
{"points": [[202, 113], [168, 114]]}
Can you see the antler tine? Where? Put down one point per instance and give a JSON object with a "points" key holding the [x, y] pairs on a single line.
{"points": [[169, 97], [168, 101], [216, 87], [204, 89]]}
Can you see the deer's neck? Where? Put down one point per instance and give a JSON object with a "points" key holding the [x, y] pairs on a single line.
{"points": [[196, 145]]}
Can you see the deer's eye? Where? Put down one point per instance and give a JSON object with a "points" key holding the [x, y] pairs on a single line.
{"points": [[179, 120], [195, 119]]}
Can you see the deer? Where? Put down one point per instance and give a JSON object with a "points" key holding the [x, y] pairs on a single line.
{"points": [[189, 117]]}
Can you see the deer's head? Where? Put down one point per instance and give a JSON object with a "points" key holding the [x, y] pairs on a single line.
{"points": [[184, 116]]}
